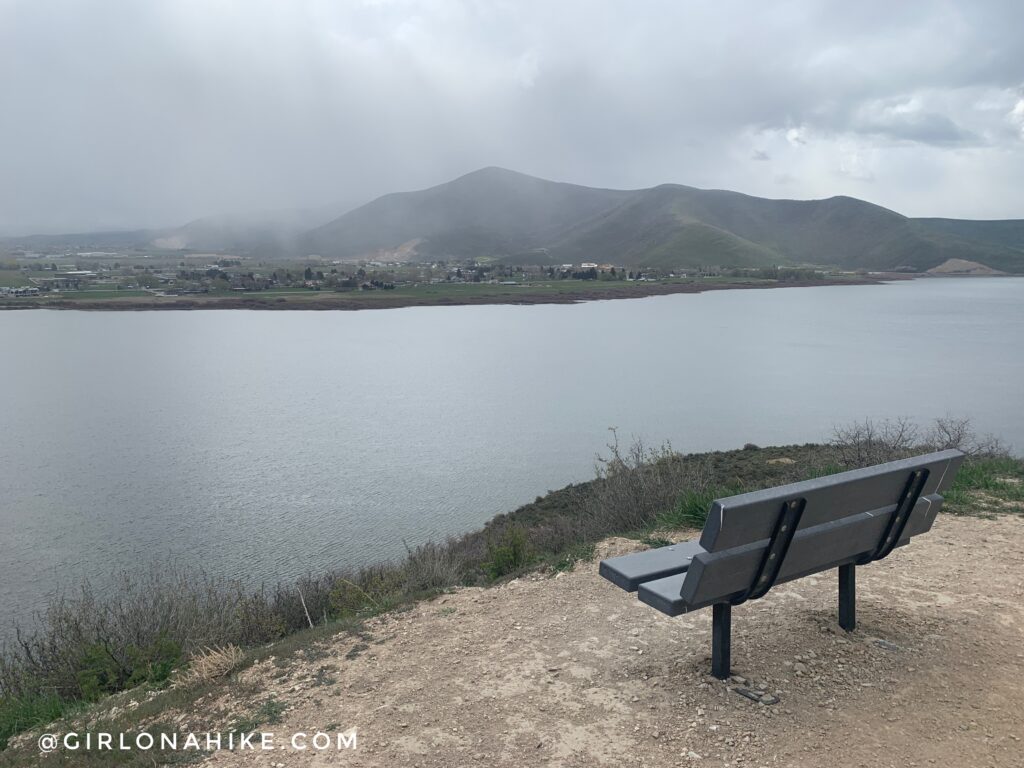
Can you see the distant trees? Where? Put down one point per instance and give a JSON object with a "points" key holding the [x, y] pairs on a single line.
{"points": [[782, 274], [147, 281]]}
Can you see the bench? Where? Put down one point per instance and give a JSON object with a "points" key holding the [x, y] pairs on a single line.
{"points": [[754, 541]]}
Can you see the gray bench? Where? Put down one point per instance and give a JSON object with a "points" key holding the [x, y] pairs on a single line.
{"points": [[755, 540]]}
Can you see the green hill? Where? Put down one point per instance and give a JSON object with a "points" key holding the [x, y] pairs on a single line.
{"points": [[491, 212]]}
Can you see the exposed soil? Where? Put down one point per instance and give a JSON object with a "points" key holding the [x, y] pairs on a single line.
{"points": [[568, 670]]}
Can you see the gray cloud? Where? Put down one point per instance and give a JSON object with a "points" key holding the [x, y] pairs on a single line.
{"points": [[119, 113]]}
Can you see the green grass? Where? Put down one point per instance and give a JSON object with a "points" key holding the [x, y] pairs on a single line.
{"points": [[692, 508], [91, 294], [567, 560], [17, 715], [1001, 479], [101, 758], [654, 541], [14, 278]]}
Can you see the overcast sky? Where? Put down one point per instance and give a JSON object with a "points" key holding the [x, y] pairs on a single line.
{"points": [[125, 113]]}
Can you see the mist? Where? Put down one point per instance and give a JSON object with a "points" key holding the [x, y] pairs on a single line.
{"points": [[119, 114]]}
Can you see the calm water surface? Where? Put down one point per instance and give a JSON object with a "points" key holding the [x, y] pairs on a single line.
{"points": [[265, 445]]}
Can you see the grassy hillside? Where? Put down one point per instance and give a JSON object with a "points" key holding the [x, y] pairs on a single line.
{"points": [[502, 214], [1005, 232], [488, 212], [997, 244]]}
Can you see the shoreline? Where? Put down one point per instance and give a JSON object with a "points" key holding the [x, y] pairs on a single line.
{"points": [[349, 302]]}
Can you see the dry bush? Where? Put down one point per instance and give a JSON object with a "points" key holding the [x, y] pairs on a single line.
{"points": [[86, 645], [868, 442], [433, 566], [953, 432], [209, 664], [636, 484]]}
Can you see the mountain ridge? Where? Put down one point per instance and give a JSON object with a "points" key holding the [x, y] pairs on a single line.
{"points": [[502, 214], [515, 218]]}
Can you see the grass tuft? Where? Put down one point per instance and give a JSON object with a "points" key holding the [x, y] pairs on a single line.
{"points": [[1000, 478], [209, 664], [692, 509]]}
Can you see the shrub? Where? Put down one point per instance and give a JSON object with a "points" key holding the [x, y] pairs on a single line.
{"points": [[636, 485], [348, 599], [103, 670], [433, 566], [507, 554], [867, 442]]}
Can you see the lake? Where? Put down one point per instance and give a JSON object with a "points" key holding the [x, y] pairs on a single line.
{"points": [[265, 445]]}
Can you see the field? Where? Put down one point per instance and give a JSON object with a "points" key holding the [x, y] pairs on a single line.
{"points": [[423, 294], [14, 278]]}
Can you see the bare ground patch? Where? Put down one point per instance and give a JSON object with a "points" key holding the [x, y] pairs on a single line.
{"points": [[570, 671]]}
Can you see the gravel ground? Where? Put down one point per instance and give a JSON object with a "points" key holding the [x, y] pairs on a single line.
{"points": [[568, 670]]}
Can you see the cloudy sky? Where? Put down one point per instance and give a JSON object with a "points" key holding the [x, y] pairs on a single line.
{"points": [[125, 113]]}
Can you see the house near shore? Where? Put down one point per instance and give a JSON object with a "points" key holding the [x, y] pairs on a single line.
{"points": [[18, 290]]}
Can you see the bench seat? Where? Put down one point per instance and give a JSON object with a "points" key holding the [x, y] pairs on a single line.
{"points": [[630, 571]]}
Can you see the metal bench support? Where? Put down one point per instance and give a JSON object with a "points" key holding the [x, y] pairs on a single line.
{"points": [[721, 640], [848, 597], [768, 571], [898, 520]]}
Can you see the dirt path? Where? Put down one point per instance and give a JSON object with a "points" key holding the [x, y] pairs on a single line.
{"points": [[571, 671]]}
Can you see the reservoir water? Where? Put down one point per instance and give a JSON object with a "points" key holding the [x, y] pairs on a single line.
{"points": [[265, 445]]}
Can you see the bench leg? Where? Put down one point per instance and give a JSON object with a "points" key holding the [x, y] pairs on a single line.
{"points": [[848, 597], [721, 640]]}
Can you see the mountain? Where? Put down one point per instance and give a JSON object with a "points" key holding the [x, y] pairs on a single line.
{"points": [[116, 240], [517, 218], [491, 212], [268, 232]]}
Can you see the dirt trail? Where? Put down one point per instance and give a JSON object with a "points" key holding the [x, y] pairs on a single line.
{"points": [[571, 671]]}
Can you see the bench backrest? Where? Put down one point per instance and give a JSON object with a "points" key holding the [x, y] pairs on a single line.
{"points": [[795, 530]]}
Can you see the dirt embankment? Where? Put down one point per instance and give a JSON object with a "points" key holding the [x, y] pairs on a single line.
{"points": [[568, 670]]}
